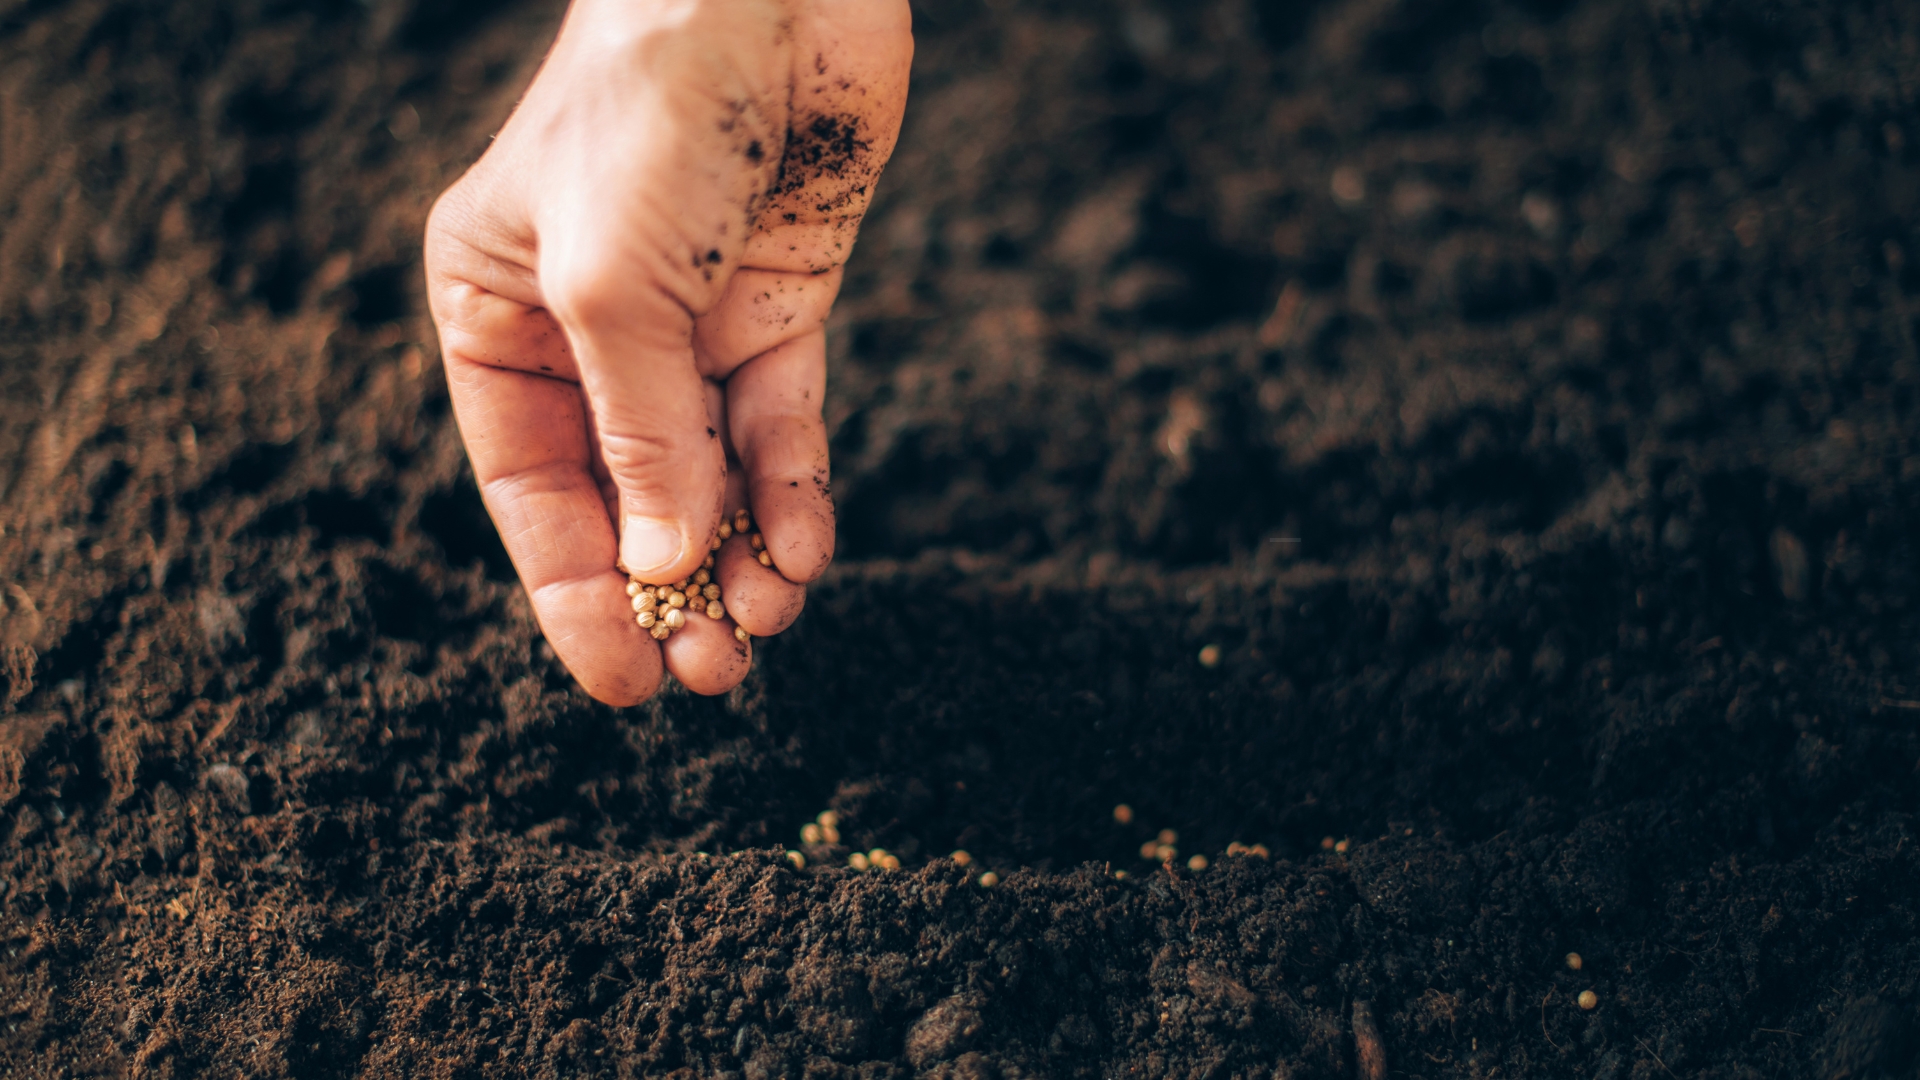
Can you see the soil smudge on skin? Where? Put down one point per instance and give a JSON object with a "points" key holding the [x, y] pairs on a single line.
{"points": [[1448, 468]]}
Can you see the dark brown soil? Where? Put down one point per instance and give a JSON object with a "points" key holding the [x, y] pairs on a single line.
{"points": [[1573, 342]]}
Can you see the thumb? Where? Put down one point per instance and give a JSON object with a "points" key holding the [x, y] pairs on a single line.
{"points": [[652, 427]]}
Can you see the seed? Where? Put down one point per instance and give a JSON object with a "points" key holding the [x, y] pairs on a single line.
{"points": [[675, 619], [713, 544], [960, 858], [765, 559], [1588, 999], [1147, 849], [877, 856], [1197, 863], [711, 592], [681, 585], [798, 860], [758, 542], [644, 603], [1341, 847], [706, 563], [1326, 843], [1210, 656], [1168, 836], [989, 879], [646, 619], [633, 588], [1260, 850], [660, 631], [677, 599], [1166, 853], [1574, 961], [1236, 848], [740, 634], [1123, 814], [702, 577], [726, 529], [857, 861], [809, 833], [828, 819], [715, 611], [891, 862], [1120, 875], [832, 834], [741, 521]]}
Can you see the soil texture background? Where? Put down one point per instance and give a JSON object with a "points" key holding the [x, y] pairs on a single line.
{"points": [[1516, 401]]}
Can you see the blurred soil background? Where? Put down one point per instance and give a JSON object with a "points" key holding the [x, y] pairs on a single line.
{"points": [[1520, 396]]}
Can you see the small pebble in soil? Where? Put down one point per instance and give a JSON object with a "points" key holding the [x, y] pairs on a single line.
{"points": [[1123, 814], [989, 879], [1574, 961], [857, 861], [961, 858], [1210, 656], [1197, 863], [798, 861], [1588, 999]]}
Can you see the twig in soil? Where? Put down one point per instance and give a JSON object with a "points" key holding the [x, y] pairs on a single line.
{"points": [[1543, 1021], [1656, 1057], [605, 904], [1366, 1043]]}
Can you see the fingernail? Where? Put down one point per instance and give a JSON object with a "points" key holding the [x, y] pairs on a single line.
{"points": [[649, 545]]}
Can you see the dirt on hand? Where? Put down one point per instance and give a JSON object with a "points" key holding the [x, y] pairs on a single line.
{"points": [[1466, 449]]}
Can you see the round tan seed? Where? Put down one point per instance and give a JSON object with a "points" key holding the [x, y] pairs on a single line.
{"points": [[660, 631], [726, 529], [675, 619], [1123, 814], [1210, 656], [1574, 961], [740, 634], [711, 592], [1236, 848], [706, 563], [646, 619], [765, 559], [857, 861], [713, 544], [1260, 850], [877, 856], [1326, 843], [960, 858], [715, 611], [832, 834], [1148, 849], [633, 588], [810, 833], [758, 542], [702, 577], [1341, 847], [1166, 853], [891, 862], [1197, 863], [742, 521], [642, 603], [1168, 836], [828, 819], [1588, 999], [989, 879], [797, 860], [677, 599]]}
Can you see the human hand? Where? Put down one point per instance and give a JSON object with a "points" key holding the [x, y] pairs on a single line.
{"points": [[631, 288]]}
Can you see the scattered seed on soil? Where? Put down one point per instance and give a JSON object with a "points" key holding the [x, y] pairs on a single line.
{"points": [[1166, 853], [1341, 847], [1236, 848], [1259, 850], [989, 879], [1326, 843], [1168, 836], [1588, 999], [810, 833], [877, 856], [1574, 961], [857, 861], [961, 858], [798, 860], [1210, 656], [1148, 849], [828, 819], [1197, 863], [1123, 814]]}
